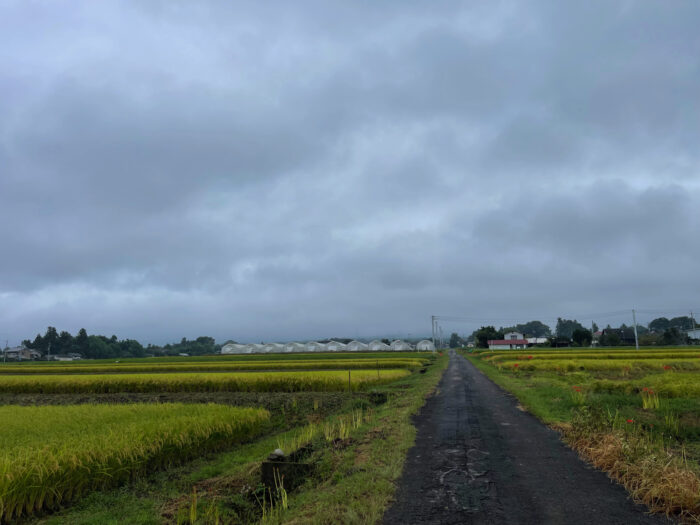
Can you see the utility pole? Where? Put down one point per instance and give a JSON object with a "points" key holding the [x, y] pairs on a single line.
{"points": [[441, 343], [432, 326], [48, 355], [634, 321]]}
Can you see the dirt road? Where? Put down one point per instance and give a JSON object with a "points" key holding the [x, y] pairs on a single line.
{"points": [[479, 459]]}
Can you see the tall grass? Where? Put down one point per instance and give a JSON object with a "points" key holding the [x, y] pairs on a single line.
{"points": [[322, 381], [52, 455]]}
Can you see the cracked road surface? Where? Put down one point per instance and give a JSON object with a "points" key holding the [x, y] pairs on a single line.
{"points": [[479, 459]]}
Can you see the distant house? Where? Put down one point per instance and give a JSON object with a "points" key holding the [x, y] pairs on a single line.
{"points": [[537, 340], [694, 334], [510, 341], [356, 346], [20, 353], [425, 345], [626, 335]]}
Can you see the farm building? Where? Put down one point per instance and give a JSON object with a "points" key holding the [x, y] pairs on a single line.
{"points": [[356, 346], [425, 345], [20, 353], [256, 348], [511, 340], [295, 347], [335, 346], [378, 345], [314, 346], [398, 344], [234, 348], [537, 340], [273, 348]]}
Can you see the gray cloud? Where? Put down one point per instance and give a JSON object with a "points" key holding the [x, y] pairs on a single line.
{"points": [[283, 171]]}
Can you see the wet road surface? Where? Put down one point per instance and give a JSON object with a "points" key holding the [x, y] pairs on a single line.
{"points": [[479, 459]]}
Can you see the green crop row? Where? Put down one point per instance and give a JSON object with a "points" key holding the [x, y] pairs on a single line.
{"points": [[135, 368], [52, 455], [321, 381]]}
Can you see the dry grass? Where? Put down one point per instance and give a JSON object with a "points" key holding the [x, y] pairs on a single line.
{"points": [[663, 482]]}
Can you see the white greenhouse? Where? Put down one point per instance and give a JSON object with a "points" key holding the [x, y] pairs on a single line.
{"points": [[425, 345], [234, 348], [335, 346], [295, 347], [356, 346], [378, 345], [313, 346], [273, 348], [398, 344], [256, 348]]}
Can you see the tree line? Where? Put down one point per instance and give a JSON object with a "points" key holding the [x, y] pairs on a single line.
{"points": [[660, 331], [103, 347]]}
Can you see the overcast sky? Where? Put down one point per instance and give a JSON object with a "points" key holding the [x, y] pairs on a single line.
{"points": [[298, 170]]}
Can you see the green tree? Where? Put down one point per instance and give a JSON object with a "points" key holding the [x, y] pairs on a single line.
{"points": [[81, 343], [455, 340], [534, 329], [565, 328], [484, 334], [660, 324], [582, 337]]}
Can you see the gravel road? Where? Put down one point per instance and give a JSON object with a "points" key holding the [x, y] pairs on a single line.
{"points": [[479, 459]]}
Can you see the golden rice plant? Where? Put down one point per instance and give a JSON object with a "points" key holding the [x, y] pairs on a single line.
{"points": [[319, 381], [213, 366], [52, 455]]}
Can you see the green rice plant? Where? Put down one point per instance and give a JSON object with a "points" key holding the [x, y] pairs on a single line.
{"points": [[578, 397], [52, 455], [320, 381], [672, 422], [650, 399]]}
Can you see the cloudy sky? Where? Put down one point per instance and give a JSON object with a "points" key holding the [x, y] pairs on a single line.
{"points": [[294, 170]]}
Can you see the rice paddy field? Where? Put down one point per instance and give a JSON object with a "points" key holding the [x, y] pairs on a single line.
{"points": [[78, 446], [293, 381], [52, 455], [634, 413]]}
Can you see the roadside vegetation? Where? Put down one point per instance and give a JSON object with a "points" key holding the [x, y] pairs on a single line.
{"points": [[634, 414]]}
